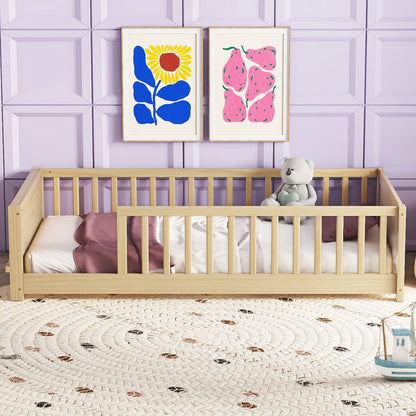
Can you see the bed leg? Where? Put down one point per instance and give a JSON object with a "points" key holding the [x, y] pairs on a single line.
{"points": [[16, 287], [400, 295]]}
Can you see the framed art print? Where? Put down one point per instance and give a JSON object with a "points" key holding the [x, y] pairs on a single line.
{"points": [[162, 84], [249, 84]]}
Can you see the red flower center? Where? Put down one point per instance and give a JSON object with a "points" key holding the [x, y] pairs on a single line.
{"points": [[169, 61]]}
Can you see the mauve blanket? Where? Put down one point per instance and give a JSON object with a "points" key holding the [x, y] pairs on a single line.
{"points": [[97, 252]]}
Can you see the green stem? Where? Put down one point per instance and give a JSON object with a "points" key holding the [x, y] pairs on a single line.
{"points": [[225, 88], [247, 102], [273, 89], [243, 49], [231, 47], [154, 102]]}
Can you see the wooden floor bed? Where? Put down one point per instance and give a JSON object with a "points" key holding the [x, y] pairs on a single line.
{"points": [[46, 191]]}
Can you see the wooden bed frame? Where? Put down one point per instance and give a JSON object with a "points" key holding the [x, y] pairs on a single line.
{"points": [[27, 210]]}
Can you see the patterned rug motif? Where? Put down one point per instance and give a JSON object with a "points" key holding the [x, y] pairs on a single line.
{"points": [[253, 355]]}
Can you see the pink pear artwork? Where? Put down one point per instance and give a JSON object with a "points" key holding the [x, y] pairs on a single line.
{"points": [[257, 82]]}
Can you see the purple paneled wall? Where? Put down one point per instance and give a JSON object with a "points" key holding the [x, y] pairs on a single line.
{"points": [[352, 87]]}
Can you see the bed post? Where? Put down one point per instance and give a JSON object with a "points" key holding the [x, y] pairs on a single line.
{"points": [[15, 254], [401, 253]]}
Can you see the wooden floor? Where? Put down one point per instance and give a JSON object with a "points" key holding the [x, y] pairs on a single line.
{"points": [[410, 279]]}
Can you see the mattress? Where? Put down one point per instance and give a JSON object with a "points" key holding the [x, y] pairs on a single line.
{"points": [[52, 248]]}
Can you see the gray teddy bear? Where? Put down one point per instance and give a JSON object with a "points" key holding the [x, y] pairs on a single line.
{"points": [[296, 189]]}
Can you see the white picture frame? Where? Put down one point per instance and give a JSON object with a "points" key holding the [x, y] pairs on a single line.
{"points": [[162, 88], [249, 84]]}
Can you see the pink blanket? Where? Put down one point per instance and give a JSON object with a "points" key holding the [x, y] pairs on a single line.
{"points": [[97, 237]]}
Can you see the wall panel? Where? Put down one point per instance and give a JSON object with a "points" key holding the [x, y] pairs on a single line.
{"points": [[46, 67], [228, 13], [314, 128], [113, 14], [391, 14], [107, 66], [46, 136], [45, 14], [327, 67], [391, 67], [321, 14], [390, 140]]}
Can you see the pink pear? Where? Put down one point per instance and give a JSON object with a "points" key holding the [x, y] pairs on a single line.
{"points": [[262, 111], [234, 73], [234, 108], [258, 82]]}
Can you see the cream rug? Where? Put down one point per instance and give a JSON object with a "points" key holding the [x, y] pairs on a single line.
{"points": [[197, 356]]}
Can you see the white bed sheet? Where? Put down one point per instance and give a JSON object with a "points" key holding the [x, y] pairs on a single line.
{"points": [[307, 244], [52, 248]]}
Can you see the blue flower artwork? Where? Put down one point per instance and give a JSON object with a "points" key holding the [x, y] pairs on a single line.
{"points": [[161, 72]]}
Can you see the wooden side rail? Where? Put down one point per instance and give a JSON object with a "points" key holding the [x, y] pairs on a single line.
{"points": [[24, 216], [190, 175], [253, 212]]}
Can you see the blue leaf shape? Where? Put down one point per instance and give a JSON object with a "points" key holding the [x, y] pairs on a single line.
{"points": [[141, 93], [176, 113], [143, 114], [174, 92], [141, 70]]}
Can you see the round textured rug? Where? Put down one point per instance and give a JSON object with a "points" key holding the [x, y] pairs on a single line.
{"points": [[197, 356]]}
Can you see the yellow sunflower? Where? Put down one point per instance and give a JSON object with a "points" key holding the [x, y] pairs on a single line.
{"points": [[169, 63]]}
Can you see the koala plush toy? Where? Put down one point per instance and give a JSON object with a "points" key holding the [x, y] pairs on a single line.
{"points": [[295, 190]]}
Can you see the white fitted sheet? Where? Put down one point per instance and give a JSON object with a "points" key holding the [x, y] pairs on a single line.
{"points": [[307, 253], [52, 248]]}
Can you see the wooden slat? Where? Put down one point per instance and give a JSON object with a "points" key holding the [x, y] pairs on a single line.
{"points": [[94, 184], [133, 191], [209, 245], [75, 196], [267, 187], [172, 195], [296, 245], [166, 244], [188, 244], [361, 245], [339, 244], [318, 244], [364, 189], [345, 191], [230, 189], [275, 245], [210, 191], [325, 191], [56, 197], [253, 244], [231, 248], [114, 192], [191, 191], [121, 244], [249, 191], [382, 244], [145, 245], [152, 191]]}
